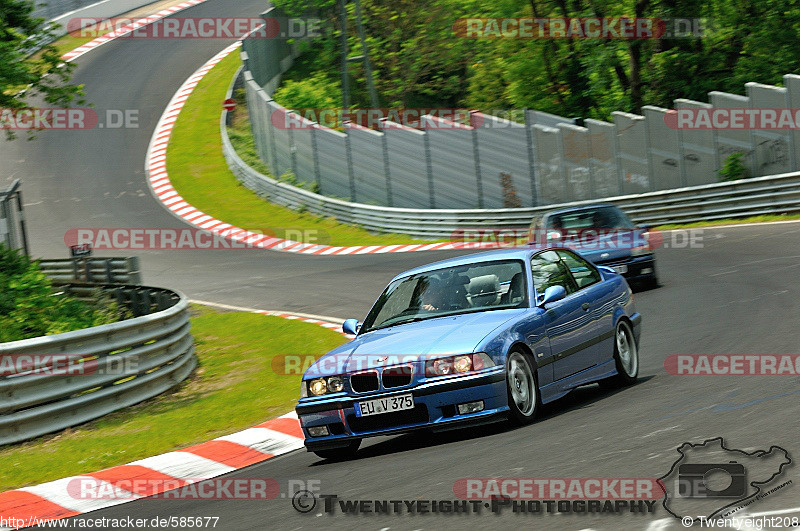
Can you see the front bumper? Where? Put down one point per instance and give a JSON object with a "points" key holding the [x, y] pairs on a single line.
{"points": [[638, 267], [435, 407]]}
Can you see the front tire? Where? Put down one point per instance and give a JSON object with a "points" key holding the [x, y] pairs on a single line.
{"points": [[626, 357], [523, 390], [340, 454]]}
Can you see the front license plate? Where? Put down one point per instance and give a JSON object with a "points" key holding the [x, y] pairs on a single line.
{"points": [[384, 405], [621, 269]]}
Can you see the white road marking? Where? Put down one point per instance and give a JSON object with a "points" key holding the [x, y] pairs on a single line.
{"points": [[334, 320]]}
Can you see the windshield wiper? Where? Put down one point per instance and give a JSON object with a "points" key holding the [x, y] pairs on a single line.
{"points": [[402, 321]]}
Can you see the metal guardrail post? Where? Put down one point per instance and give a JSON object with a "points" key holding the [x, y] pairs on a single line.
{"points": [[13, 220], [109, 273], [386, 168], [134, 270], [350, 174], [292, 152], [429, 167], [315, 156], [531, 160], [22, 228], [477, 158], [6, 228]]}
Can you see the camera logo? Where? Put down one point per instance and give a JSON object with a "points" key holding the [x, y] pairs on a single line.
{"points": [[693, 480], [710, 480]]}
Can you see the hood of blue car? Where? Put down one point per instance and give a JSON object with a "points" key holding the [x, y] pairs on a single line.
{"points": [[456, 334]]}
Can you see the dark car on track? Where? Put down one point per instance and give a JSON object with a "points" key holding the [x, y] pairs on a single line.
{"points": [[603, 234]]}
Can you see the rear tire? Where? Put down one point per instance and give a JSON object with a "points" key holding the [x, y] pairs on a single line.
{"points": [[340, 454], [523, 389], [626, 357]]}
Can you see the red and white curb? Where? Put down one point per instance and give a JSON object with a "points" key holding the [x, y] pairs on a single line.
{"points": [[331, 323], [57, 499], [127, 28], [160, 184], [61, 498]]}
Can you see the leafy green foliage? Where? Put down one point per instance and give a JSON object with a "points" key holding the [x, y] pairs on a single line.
{"points": [[29, 308], [21, 77], [317, 92], [733, 169], [420, 61]]}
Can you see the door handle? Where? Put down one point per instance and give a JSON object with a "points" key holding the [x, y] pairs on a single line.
{"points": [[585, 306]]}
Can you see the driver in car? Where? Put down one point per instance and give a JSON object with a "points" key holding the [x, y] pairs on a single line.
{"points": [[434, 297]]}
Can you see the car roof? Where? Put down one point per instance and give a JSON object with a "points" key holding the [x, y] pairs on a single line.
{"points": [[581, 208], [514, 253]]}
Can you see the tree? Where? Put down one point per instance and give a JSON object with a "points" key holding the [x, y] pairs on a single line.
{"points": [[25, 79], [29, 308], [420, 61]]}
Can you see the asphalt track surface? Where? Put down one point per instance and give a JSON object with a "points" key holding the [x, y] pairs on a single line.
{"points": [[737, 292]]}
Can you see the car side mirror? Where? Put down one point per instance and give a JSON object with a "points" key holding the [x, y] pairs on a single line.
{"points": [[553, 294], [351, 326]]}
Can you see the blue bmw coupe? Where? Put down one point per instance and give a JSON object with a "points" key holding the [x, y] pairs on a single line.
{"points": [[471, 340]]}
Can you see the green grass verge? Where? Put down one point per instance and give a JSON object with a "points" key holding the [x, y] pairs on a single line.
{"points": [[233, 388], [732, 221], [199, 173]]}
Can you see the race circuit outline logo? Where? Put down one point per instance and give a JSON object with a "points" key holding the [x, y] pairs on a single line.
{"points": [[690, 486]]}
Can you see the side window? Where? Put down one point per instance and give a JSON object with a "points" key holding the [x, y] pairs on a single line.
{"points": [[584, 273], [548, 270]]}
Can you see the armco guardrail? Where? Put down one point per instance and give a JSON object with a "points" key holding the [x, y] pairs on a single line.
{"points": [[110, 367], [92, 270], [139, 300], [775, 194]]}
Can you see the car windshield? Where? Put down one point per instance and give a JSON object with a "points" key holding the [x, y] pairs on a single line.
{"points": [[467, 288], [599, 218]]}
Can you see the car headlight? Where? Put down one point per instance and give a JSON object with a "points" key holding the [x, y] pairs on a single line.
{"points": [[321, 386], [335, 384], [318, 387], [460, 364], [640, 250]]}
